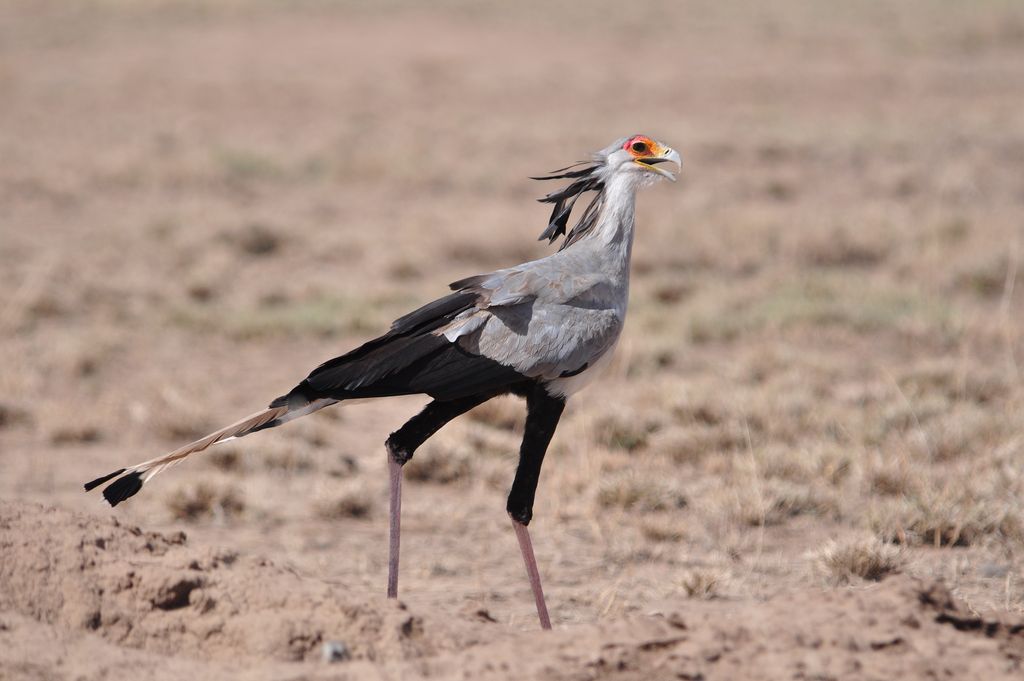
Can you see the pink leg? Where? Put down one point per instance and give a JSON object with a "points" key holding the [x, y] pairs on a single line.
{"points": [[526, 547], [395, 476]]}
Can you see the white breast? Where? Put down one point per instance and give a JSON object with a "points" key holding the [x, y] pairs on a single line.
{"points": [[564, 387]]}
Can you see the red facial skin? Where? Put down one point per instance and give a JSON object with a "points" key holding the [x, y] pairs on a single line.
{"points": [[649, 146]]}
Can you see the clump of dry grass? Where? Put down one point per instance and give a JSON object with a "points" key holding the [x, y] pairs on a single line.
{"points": [[201, 290], [441, 464], [503, 413], [891, 479], [629, 433], [839, 248], [74, 423], [691, 444], [342, 466], [773, 502], [631, 491], [962, 431], [672, 292], [867, 558], [404, 269], [703, 584], [175, 417], [955, 380], [944, 518], [904, 417], [243, 166], [701, 411], [987, 276], [354, 501], [75, 433], [317, 432], [206, 500], [285, 457], [662, 529], [12, 414], [818, 462], [224, 458]]}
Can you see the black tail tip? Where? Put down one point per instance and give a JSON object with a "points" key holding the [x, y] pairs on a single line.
{"points": [[123, 488], [119, 490], [89, 486]]}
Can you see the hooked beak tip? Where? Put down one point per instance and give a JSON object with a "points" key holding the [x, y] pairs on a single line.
{"points": [[669, 156]]}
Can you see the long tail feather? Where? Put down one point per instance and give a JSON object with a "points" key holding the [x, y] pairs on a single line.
{"points": [[133, 477]]}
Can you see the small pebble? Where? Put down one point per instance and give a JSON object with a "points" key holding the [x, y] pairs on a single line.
{"points": [[335, 651]]}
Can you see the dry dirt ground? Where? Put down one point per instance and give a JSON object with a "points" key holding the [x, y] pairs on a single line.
{"points": [[806, 462]]}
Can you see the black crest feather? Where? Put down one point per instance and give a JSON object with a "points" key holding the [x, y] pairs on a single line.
{"points": [[564, 200]]}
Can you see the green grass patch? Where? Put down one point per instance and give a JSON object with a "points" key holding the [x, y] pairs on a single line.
{"points": [[321, 316], [825, 301]]}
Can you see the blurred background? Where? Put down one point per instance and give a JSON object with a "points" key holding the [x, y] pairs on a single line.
{"points": [[819, 381]]}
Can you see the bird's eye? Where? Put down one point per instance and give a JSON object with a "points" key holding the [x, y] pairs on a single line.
{"points": [[639, 147]]}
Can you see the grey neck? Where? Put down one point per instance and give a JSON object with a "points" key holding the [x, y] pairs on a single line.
{"points": [[610, 233]]}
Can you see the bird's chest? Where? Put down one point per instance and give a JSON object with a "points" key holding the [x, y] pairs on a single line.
{"points": [[568, 385]]}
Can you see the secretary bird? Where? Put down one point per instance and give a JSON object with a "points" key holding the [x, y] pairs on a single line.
{"points": [[540, 330]]}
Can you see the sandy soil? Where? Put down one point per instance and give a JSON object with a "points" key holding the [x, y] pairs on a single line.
{"points": [[91, 598], [806, 461]]}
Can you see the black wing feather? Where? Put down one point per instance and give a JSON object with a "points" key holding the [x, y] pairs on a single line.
{"points": [[433, 315], [407, 360]]}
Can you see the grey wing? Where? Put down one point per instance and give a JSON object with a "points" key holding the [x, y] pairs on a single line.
{"points": [[540, 319]]}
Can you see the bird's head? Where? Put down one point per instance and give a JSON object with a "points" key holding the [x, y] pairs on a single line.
{"points": [[639, 160], [640, 157]]}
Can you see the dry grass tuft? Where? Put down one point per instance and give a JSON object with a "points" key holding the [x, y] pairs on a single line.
{"points": [[891, 480], [629, 433], [206, 501], [224, 458], [176, 418], [504, 413], [961, 432], [284, 457], [839, 248], [670, 293], [441, 464], [987, 277], [944, 518], [691, 444], [867, 558], [956, 381], [699, 411], [342, 466], [663, 528], [820, 462], [354, 502], [703, 584], [14, 415], [75, 433], [632, 492], [773, 502], [259, 240]]}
